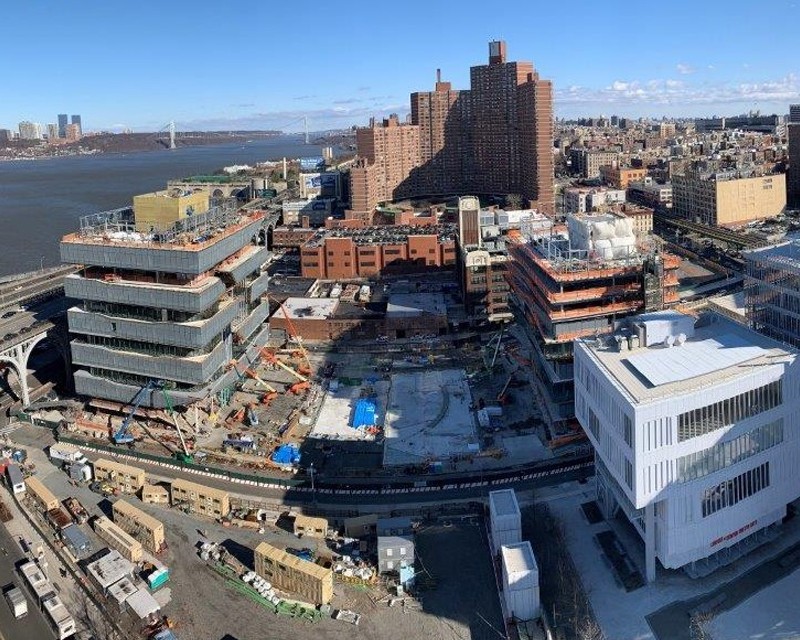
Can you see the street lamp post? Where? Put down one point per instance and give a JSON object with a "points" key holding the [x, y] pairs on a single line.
{"points": [[313, 487], [41, 264]]}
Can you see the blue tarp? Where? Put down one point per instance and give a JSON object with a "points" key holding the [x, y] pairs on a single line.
{"points": [[365, 414], [286, 454]]}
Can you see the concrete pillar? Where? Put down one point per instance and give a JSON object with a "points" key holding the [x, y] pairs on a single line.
{"points": [[17, 356], [650, 542]]}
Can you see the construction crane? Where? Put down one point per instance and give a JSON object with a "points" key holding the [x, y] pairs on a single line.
{"points": [[123, 436], [184, 456], [502, 398], [250, 373], [293, 334], [272, 359], [497, 339]]}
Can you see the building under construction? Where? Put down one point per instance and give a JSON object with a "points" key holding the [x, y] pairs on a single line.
{"points": [[575, 281], [173, 302]]}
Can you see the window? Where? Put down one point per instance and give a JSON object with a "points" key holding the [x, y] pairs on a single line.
{"points": [[594, 425], [627, 425], [402, 551], [371, 263], [724, 454], [730, 492], [729, 411], [389, 553], [628, 473]]}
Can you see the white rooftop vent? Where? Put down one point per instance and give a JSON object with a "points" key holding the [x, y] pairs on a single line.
{"points": [[680, 339], [622, 342], [669, 341]]}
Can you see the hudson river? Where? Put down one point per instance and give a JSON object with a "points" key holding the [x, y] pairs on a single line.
{"points": [[41, 200]]}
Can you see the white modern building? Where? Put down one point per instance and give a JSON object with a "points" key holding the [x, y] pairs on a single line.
{"points": [[695, 431]]}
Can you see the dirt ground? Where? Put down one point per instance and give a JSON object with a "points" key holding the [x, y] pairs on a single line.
{"points": [[460, 590]]}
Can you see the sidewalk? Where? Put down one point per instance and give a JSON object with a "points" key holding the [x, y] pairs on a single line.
{"points": [[70, 592]]}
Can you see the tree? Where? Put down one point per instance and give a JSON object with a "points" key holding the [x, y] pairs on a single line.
{"points": [[513, 201]]}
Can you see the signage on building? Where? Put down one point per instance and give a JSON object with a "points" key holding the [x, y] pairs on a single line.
{"points": [[311, 163], [734, 534]]}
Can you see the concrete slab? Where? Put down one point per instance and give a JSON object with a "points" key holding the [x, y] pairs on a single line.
{"points": [[522, 449], [429, 418], [335, 415]]}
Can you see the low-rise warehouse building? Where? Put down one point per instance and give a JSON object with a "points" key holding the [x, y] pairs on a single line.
{"points": [[116, 538], [310, 581], [142, 526], [200, 499], [121, 477], [41, 495]]}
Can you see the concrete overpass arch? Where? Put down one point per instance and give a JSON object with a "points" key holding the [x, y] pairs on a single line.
{"points": [[17, 357]]}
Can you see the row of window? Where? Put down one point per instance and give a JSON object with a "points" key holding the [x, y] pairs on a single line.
{"points": [[724, 454], [728, 493], [729, 411]]}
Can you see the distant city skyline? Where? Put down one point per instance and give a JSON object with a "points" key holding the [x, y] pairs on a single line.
{"points": [[688, 59]]}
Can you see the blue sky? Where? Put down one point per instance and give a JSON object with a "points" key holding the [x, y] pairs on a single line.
{"points": [[218, 65]]}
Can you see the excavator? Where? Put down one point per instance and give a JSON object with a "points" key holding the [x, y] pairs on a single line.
{"points": [[123, 434]]}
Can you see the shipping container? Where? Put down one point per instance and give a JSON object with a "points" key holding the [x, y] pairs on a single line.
{"points": [[15, 479], [520, 575], [58, 519], [41, 495], [505, 521], [116, 538]]}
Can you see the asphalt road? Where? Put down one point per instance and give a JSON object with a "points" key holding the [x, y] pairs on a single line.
{"points": [[33, 626], [464, 489], [32, 285]]}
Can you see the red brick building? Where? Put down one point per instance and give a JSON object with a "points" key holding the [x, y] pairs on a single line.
{"points": [[494, 138], [340, 254]]}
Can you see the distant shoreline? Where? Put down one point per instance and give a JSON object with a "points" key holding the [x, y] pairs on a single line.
{"points": [[107, 144]]}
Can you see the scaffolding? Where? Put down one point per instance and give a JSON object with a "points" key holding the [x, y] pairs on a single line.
{"points": [[120, 224], [389, 234]]}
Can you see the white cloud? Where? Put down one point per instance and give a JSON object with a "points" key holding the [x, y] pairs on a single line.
{"points": [[680, 94], [684, 69]]}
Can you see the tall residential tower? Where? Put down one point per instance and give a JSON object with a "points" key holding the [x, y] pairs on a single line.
{"points": [[494, 139]]}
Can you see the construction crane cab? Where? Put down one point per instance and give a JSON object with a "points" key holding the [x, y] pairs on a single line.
{"points": [[123, 435]]}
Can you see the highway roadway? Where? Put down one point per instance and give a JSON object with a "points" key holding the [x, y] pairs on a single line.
{"points": [[19, 324], [33, 626], [30, 287]]}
